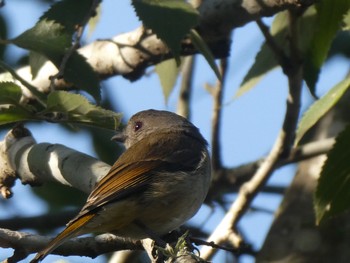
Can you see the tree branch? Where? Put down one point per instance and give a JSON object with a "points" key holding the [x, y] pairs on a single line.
{"points": [[38, 163], [87, 246], [131, 53], [217, 93], [183, 105]]}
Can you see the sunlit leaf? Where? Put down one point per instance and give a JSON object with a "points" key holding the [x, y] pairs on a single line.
{"points": [[12, 114], [332, 195], [36, 61], [11, 109], [167, 72], [321, 107], [10, 93], [346, 21], [74, 108]]}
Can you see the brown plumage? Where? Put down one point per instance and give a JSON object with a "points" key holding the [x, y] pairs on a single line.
{"points": [[159, 182]]}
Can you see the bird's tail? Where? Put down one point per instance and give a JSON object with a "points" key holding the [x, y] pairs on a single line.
{"points": [[70, 231]]}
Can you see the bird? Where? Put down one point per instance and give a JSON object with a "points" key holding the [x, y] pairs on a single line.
{"points": [[154, 187]]}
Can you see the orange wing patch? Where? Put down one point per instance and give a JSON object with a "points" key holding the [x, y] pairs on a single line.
{"points": [[120, 182]]}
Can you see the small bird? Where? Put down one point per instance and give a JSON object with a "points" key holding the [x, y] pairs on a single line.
{"points": [[155, 186]]}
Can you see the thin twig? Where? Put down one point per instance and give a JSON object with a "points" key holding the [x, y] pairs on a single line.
{"points": [[217, 93], [246, 249], [277, 50], [183, 106], [295, 78]]}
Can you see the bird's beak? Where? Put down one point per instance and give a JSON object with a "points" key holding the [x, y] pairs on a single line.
{"points": [[119, 137]]}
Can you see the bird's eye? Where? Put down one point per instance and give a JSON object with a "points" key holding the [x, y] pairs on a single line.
{"points": [[138, 125]]}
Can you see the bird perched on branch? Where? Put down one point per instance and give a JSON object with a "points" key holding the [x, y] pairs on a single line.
{"points": [[155, 186]]}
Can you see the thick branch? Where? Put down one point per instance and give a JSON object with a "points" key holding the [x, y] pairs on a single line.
{"points": [[88, 246], [38, 163]]}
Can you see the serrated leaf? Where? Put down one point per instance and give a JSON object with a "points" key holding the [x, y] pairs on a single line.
{"points": [[12, 114], [321, 107], [170, 20], [68, 13], [11, 109], [346, 21], [265, 60], [332, 194], [36, 61], [167, 72], [10, 93], [46, 37], [203, 48], [79, 72], [75, 108], [330, 14], [40, 96]]}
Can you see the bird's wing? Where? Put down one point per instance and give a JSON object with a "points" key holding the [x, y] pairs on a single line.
{"points": [[121, 181]]}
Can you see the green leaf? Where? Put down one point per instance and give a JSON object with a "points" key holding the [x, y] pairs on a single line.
{"points": [[321, 107], [346, 21], [11, 109], [68, 107], [203, 48], [167, 72], [12, 114], [41, 98], [330, 15], [94, 21], [332, 194], [79, 72], [170, 20], [10, 93], [36, 61], [46, 37], [69, 13], [265, 60]]}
